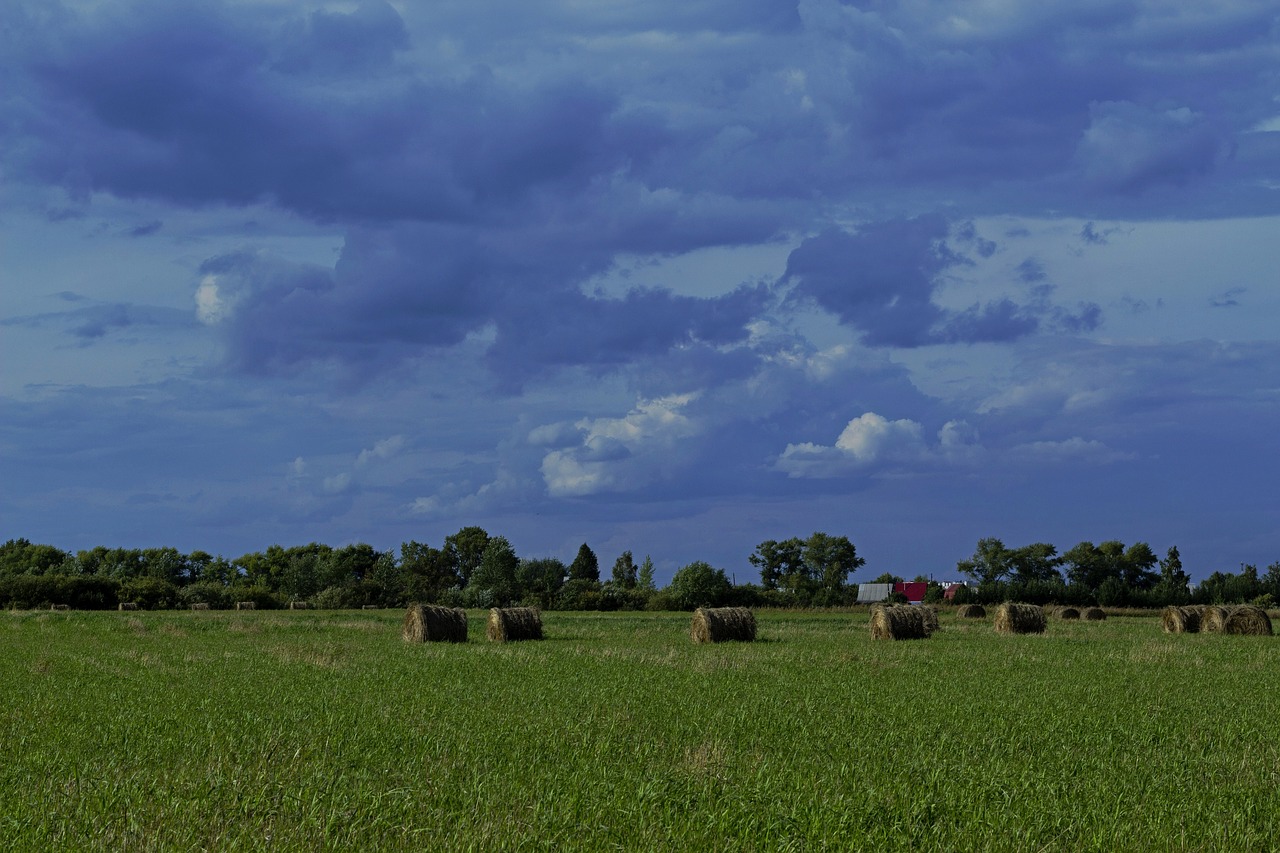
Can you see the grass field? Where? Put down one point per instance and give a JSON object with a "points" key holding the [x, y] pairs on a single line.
{"points": [[323, 730]]}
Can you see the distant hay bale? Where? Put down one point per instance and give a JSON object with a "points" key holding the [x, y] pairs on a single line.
{"points": [[1181, 620], [246, 605], [299, 605], [898, 622], [971, 611], [1068, 613], [721, 624], [60, 607], [200, 605], [1214, 619], [128, 605], [1014, 618], [370, 607], [1094, 614], [1249, 620], [508, 624], [430, 623]]}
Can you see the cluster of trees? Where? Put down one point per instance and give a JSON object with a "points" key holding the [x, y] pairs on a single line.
{"points": [[1110, 574], [474, 569]]}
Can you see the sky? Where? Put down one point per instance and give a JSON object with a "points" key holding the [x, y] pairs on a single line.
{"points": [[663, 277]]}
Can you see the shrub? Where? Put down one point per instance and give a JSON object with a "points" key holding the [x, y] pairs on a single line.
{"points": [[205, 592], [150, 593], [699, 585]]}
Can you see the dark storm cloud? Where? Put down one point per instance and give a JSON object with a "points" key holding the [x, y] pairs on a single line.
{"points": [[881, 281]]}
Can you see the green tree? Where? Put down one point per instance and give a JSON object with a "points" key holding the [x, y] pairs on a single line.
{"points": [[585, 566], [991, 562], [464, 550], [829, 560], [497, 571], [542, 578], [1035, 563], [21, 557], [644, 580], [428, 571], [349, 564], [699, 585], [780, 563], [624, 571]]}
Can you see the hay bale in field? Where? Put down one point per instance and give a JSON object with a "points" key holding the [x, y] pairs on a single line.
{"points": [[721, 624], [370, 607], [246, 605], [200, 605], [898, 622], [1094, 614], [1014, 618], [971, 611], [1068, 613], [299, 605], [128, 605], [1248, 619], [507, 624], [1181, 620], [1214, 619], [60, 607], [430, 623], [930, 617]]}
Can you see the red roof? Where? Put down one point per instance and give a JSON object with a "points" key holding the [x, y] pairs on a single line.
{"points": [[913, 590]]}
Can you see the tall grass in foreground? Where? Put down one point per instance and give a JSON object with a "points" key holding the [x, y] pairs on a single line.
{"points": [[315, 730]]}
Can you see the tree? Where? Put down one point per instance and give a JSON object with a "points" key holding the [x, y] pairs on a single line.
{"points": [[644, 581], [464, 550], [351, 563], [624, 571], [1136, 567], [1034, 563], [699, 585], [990, 562], [429, 571], [542, 578], [585, 566], [779, 562], [497, 570], [828, 561]]}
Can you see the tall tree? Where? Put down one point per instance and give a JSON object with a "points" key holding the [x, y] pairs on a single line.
{"points": [[464, 549], [585, 566], [699, 585], [1171, 572], [497, 570], [990, 562], [780, 563], [645, 579], [430, 571], [1036, 562], [829, 560], [624, 571]]}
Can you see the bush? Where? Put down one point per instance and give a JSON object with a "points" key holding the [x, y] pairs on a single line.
{"points": [[150, 593], [211, 593], [579, 594], [261, 596], [699, 585]]}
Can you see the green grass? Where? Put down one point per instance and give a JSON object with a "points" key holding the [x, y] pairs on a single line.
{"points": [[322, 730]]}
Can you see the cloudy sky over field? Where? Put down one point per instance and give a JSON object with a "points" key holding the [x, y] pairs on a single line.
{"points": [[669, 277]]}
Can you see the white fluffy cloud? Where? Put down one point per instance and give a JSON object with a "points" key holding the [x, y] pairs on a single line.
{"points": [[618, 454]]}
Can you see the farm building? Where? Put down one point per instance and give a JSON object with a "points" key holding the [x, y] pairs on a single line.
{"points": [[870, 593]]}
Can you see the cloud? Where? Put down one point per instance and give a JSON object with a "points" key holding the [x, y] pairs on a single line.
{"points": [[1129, 148], [621, 454], [866, 441]]}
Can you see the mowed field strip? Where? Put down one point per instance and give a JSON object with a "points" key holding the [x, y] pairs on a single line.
{"points": [[325, 730]]}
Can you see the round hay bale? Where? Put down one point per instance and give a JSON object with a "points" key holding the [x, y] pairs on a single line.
{"points": [[930, 617], [1094, 614], [721, 624], [430, 623], [1014, 618], [971, 611], [1181, 620], [370, 607], [200, 605], [1068, 613], [128, 605], [246, 605], [507, 624], [299, 605], [60, 607], [1249, 620], [1214, 619], [898, 622]]}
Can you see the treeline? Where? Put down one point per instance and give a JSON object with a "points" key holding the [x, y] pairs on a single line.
{"points": [[471, 568], [1109, 574]]}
